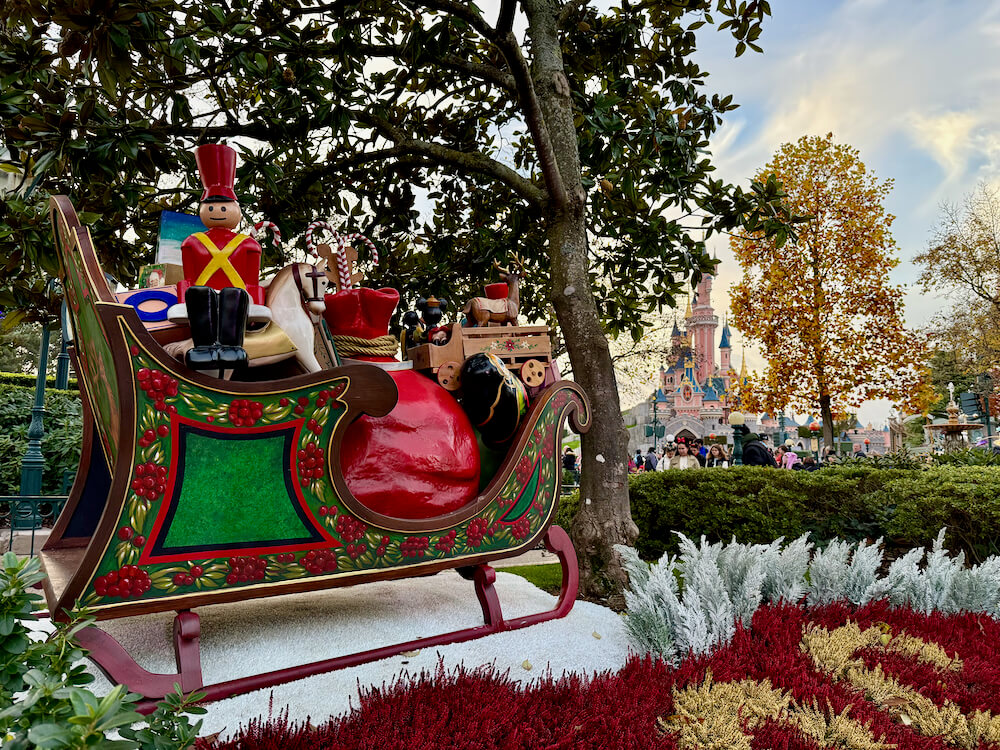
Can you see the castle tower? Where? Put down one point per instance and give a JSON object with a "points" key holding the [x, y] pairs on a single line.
{"points": [[702, 323], [725, 355]]}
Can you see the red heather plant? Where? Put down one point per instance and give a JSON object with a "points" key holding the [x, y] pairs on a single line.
{"points": [[777, 683]]}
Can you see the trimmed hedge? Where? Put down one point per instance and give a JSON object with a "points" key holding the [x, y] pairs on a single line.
{"points": [[28, 381], [756, 505], [61, 444]]}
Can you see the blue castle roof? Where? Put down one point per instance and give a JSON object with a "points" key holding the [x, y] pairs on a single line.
{"points": [[724, 344]]}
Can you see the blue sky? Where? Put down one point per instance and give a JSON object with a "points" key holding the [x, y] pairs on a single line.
{"points": [[912, 84]]}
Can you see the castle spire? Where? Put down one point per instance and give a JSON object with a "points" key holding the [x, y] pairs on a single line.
{"points": [[724, 344]]}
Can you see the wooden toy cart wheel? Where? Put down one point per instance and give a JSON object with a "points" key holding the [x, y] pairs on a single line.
{"points": [[448, 376], [533, 373]]}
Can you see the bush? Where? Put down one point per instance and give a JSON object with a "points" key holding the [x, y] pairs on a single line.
{"points": [[60, 445], [43, 701], [28, 381], [756, 505]]}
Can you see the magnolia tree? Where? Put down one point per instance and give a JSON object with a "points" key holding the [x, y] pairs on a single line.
{"points": [[822, 309], [565, 130]]}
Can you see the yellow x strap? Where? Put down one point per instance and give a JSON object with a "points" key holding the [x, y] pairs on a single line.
{"points": [[220, 260]]}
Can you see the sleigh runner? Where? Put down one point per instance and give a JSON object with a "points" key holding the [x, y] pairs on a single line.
{"points": [[194, 490]]}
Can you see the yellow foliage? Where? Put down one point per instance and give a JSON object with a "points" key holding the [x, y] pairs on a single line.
{"points": [[822, 309]]}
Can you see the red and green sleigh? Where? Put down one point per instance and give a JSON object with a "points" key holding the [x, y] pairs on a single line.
{"points": [[194, 490]]}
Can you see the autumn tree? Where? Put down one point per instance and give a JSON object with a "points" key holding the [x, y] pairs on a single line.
{"points": [[829, 323], [962, 262], [568, 131]]}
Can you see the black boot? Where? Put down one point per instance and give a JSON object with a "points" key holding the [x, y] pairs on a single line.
{"points": [[203, 317], [233, 307]]}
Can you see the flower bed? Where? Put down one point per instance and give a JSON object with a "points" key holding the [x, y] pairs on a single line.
{"points": [[831, 676]]}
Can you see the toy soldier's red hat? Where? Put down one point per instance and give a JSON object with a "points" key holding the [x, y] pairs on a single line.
{"points": [[217, 167]]}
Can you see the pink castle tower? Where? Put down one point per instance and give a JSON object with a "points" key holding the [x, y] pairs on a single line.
{"points": [[702, 323]]}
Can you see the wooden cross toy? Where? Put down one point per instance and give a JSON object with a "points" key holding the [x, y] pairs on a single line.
{"points": [[333, 267]]}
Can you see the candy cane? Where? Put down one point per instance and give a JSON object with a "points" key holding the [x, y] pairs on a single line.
{"points": [[342, 270], [269, 225], [349, 238]]}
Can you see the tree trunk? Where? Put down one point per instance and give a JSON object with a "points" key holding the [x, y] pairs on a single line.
{"points": [[826, 416], [605, 517]]}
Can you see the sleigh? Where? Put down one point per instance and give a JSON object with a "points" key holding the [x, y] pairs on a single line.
{"points": [[194, 490]]}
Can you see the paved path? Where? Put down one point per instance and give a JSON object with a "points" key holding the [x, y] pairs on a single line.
{"points": [[258, 635]]}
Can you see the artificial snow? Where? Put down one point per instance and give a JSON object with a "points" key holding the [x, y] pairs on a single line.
{"points": [[259, 635]]}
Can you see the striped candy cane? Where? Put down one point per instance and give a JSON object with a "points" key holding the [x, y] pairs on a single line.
{"points": [[347, 239], [276, 233], [342, 270]]}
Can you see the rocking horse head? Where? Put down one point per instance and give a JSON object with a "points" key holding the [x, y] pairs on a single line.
{"points": [[312, 285]]}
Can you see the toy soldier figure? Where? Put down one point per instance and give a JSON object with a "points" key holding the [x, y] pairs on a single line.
{"points": [[221, 288]]}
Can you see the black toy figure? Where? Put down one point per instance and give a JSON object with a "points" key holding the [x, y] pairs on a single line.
{"points": [[493, 398], [423, 324]]}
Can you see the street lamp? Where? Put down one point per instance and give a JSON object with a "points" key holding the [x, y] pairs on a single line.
{"points": [[867, 443], [736, 419], [781, 425], [986, 389], [654, 430], [813, 430]]}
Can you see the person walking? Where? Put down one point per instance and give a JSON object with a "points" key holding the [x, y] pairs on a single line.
{"points": [[717, 458], [787, 458], [809, 464], [569, 464], [698, 450], [755, 453], [650, 463], [669, 451], [684, 458]]}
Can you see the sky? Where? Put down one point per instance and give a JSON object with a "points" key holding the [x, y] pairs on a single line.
{"points": [[911, 84]]}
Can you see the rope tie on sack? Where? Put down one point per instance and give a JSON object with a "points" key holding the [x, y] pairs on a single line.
{"points": [[383, 346]]}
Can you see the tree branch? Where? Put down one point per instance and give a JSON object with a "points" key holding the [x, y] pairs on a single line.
{"points": [[534, 119], [568, 10], [505, 21], [482, 71], [461, 10]]}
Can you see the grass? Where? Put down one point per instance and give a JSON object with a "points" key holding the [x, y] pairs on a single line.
{"points": [[547, 577]]}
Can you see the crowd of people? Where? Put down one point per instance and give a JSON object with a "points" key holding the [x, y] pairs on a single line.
{"points": [[694, 454]]}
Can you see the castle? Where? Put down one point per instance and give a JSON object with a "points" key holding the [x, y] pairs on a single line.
{"points": [[693, 397]]}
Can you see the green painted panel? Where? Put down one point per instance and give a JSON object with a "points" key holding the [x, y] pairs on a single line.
{"points": [[232, 493]]}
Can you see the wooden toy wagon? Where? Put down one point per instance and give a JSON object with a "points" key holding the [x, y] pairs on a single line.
{"points": [[526, 350], [194, 490]]}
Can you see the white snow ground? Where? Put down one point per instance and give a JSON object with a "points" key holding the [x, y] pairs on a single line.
{"points": [[262, 634]]}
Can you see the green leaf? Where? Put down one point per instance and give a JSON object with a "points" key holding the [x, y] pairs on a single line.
{"points": [[50, 735]]}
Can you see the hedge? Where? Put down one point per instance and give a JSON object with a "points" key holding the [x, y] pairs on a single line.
{"points": [[28, 381], [906, 507], [60, 446]]}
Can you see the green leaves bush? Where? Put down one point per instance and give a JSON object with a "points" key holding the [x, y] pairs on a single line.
{"points": [[60, 445], [756, 505], [43, 701]]}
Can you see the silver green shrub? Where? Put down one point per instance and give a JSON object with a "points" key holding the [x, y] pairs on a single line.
{"points": [[692, 603]]}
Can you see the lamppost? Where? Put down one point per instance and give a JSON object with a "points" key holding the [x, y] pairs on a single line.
{"points": [[654, 430], [736, 419], [33, 463], [62, 361], [813, 430], [781, 426], [985, 382], [867, 443]]}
